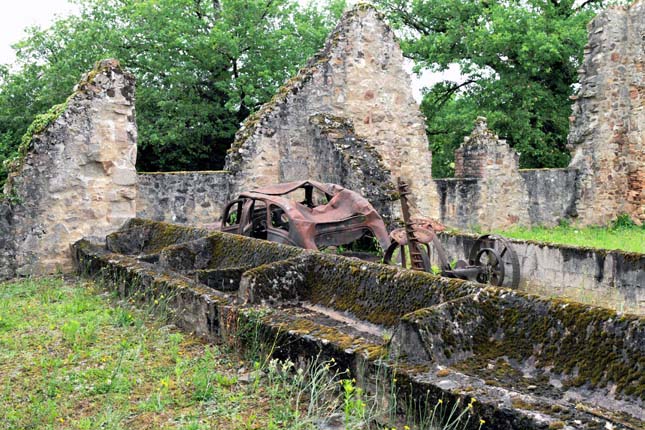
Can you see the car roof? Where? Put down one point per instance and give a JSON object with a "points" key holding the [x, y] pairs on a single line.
{"points": [[286, 188]]}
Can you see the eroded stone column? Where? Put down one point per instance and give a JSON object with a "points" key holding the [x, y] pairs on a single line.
{"points": [[607, 133], [78, 178]]}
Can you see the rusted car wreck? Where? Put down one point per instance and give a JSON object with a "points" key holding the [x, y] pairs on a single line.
{"points": [[306, 214], [314, 215]]}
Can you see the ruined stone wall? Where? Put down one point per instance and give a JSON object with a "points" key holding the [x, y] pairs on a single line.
{"points": [[78, 177], [7, 245], [606, 177], [608, 122], [551, 195], [359, 75], [342, 157], [498, 198], [490, 192], [483, 154], [195, 198], [348, 159]]}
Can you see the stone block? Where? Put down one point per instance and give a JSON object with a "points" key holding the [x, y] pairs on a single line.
{"points": [[124, 176]]}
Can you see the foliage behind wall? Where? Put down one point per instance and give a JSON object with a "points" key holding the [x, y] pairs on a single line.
{"points": [[201, 67]]}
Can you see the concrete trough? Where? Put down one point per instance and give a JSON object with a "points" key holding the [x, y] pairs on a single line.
{"points": [[531, 362]]}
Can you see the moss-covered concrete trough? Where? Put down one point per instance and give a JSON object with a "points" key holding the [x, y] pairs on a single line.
{"points": [[531, 363]]}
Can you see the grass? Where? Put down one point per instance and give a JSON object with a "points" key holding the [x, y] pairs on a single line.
{"points": [[73, 357], [621, 236]]}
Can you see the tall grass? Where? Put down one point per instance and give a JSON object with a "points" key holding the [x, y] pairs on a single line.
{"points": [[622, 234]]}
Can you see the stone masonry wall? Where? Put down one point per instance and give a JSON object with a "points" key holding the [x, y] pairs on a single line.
{"points": [[349, 159], [195, 198], [7, 245], [551, 193], [613, 279], [359, 75], [501, 197], [551, 198], [608, 122], [78, 178]]}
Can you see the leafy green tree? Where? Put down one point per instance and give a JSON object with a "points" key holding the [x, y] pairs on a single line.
{"points": [[201, 68], [518, 60]]}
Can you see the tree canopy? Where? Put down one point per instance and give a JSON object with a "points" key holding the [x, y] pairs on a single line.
{"points": [[518, 61], [201, 67]]}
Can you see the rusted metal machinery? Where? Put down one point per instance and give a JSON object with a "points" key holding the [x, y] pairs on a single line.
{"points": [[491, 259], [307, 214], [314, 215]]}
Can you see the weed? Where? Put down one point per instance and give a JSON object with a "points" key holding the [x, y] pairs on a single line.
{"points": [[623, 221], [353, 404]]}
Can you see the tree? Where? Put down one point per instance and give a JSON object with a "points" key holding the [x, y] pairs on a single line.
{"points": [[518, 61], [201, 68]]}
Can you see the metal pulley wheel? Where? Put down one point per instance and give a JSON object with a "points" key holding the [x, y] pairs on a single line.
{"points": [[498, 261], [401, 244]]}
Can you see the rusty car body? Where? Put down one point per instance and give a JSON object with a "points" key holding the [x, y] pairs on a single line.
{"points": [[307, 214]]}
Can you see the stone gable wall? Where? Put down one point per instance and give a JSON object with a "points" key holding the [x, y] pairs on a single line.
{"points": [[356, 80], [608, 122], [78, 178], [348, 159], [347, 117], [359, 76]]}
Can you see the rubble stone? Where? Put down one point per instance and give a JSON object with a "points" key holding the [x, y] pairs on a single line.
{"points": [[502, 195]]}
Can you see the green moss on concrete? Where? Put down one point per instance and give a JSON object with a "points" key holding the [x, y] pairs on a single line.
{"points": [[285, 322], [231, 250], [150, 237], [586, 345], [377, 293]]}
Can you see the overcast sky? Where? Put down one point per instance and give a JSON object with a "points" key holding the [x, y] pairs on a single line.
{"points": [[18, 14]]}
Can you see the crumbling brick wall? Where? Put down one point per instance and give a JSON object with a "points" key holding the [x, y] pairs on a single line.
{"points": [[359, 75], [607, 133], [78, 177]]}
